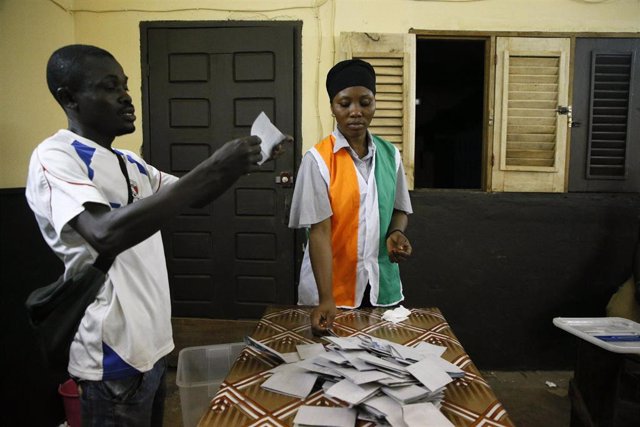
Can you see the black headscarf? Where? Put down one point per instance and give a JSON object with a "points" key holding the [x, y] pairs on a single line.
{"points": [[348, 73]]}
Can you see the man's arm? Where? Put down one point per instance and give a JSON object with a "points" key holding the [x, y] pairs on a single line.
{"points": [[321, 255], [110, 232]]}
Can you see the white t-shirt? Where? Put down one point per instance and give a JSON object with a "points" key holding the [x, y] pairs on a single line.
{"points": [[128, 327]]}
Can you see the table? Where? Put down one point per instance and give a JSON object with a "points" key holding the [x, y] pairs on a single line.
{"points": [[241, 402]]}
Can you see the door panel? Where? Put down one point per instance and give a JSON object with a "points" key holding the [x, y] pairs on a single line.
{"points": [[530, 136], [605, 137], [206, 85]]}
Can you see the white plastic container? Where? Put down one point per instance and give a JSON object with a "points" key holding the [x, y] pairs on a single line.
{"points": [[615, 334], [200, 372]]}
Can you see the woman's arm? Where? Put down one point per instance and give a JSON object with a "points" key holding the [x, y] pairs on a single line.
{"points": [[321, 256], [398, 245]]}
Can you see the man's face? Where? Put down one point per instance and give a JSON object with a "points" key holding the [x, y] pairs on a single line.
{"points": [[103, 106], [354, 108]]}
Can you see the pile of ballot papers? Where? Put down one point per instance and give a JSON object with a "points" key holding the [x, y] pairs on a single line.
{"points": [[381, 381]]}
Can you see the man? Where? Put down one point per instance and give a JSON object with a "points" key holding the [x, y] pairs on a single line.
{"points": [[79, 188]]}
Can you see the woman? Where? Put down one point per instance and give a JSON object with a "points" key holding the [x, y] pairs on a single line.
{"points": [[352, 195]]}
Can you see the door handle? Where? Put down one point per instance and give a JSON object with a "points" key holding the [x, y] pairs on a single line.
{"points": [[285, 179]]}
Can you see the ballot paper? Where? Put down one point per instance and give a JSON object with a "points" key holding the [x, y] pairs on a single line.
{"points": [[379, 379], [345, 343], [325, 416], [451, 369], [285, 357], [382, 405], [424, 414], [406, 394], [307, 351], [430, 374], [352, 393], [425, 347], [292, 382], [268, 133]]}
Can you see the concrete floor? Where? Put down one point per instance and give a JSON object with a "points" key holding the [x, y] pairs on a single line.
{"points": [[532, 398]]}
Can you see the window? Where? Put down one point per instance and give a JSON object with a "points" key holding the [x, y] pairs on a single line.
{"points": [[494, 113]]}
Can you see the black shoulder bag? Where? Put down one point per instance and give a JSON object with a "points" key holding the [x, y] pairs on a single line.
{"points": [[55, 310]]}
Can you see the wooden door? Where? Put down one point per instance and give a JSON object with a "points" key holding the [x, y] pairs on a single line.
{"points": [[205, 83], [530, 131]]}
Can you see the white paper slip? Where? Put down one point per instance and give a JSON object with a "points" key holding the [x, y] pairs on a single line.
{"points": [[352, 393], [427, 348], [310, 365], [363, 377], [384, 364], [297, 383], [453, 370], [348, 343], [333, 357], [268, 133], [324, 416], [384, 405], [285, 357], [306, 351], [352, 358], [424, 414], [406, 394], [430, 373]]}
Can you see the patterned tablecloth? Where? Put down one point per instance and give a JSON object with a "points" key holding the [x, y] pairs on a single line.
{"points": [[241, 401]]}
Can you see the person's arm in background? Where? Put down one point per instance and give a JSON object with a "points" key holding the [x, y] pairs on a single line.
{"points": [[321, 255], [110, 232]]}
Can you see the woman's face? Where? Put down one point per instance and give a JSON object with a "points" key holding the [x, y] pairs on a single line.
{"points": [[354, 108]]}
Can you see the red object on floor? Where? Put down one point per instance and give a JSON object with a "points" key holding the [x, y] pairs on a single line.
{"points": [[69, 392]]}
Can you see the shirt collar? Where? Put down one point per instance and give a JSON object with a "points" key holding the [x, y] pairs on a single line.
{"points": [[341, 142]]}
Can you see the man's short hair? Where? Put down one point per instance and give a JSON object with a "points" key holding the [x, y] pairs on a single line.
{"points": [[65, 66]]}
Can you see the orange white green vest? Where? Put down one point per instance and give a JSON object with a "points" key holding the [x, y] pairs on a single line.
{"points": [[355, 204]]}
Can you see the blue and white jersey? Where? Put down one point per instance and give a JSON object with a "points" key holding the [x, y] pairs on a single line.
{"points": [[128, 327]]}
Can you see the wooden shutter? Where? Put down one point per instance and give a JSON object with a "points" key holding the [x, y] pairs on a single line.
{"points": [[393, 58], [609, 111], [530, 137], [605, 137]]}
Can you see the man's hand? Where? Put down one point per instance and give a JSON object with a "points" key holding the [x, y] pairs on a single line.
{"points": [[236, 157], [322, 317], [398, 246]]}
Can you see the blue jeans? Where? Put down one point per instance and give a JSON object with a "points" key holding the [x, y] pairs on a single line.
{"points": [[136, 401]]}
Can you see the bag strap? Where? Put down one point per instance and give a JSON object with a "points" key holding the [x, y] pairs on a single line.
{"points": [[103, 263], [123, 168]]}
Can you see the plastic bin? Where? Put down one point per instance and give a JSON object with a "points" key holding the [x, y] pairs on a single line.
{"points": [[200, 372]]}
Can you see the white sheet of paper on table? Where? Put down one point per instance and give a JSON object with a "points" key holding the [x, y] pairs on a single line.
{"points": [[292, 382], [325, 416], [268, 133], [424, 414], [306, 351], [352, 393], [430, 373]]}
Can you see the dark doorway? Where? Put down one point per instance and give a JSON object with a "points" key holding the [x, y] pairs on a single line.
{"points": [[204, 84], [449, 113]]}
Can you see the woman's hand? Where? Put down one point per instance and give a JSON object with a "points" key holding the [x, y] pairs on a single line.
{"points": [[398, 246], [322, 317]]}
